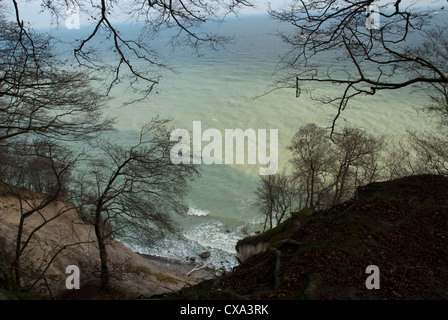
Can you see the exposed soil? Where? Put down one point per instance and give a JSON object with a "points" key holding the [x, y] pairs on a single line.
{"points": [[67, 240]]}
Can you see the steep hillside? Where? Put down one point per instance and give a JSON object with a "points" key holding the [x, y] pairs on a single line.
{"points": [[400, 226], [65, 241]]}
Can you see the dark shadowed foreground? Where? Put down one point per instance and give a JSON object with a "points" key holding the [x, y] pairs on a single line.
{"points": [[401, 226]]}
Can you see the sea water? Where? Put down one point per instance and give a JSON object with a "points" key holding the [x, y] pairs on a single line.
{"points": [[226, 89]]}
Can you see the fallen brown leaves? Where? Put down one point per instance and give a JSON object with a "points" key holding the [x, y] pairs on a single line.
{"points": [[401, 226]]}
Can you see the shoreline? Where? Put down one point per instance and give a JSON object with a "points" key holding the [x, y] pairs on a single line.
{"points": [[193, 272]]}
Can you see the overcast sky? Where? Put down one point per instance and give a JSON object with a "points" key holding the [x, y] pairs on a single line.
{"points": [[32, 13]]}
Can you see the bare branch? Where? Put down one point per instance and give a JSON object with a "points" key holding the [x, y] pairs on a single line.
{"points": [[391, 56]]}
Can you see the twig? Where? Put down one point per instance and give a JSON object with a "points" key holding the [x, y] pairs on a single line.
{"points": [[196, 269]]}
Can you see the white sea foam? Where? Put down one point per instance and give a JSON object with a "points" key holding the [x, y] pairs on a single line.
{"points": [[214, 234], [197, 212], [181, 249]]}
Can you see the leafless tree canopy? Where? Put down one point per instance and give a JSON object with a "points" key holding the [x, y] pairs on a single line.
{"points": [[404, 49], [133, 58], [40, 166], [37, 174], [125, 190], [312, 161], [325, 172], [133, 191], [358, 157], [135, 184], [38, 95], [276, 198]]}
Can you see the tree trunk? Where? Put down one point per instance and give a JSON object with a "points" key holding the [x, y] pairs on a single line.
{"points": [[16, 263], [6, 281], [102, 248], [312, 189], [103, 258]]}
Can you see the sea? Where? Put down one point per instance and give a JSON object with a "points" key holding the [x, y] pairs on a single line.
{"points": [[231, 87]]}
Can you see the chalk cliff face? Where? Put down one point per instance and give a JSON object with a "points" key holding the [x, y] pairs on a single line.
{"points": [[253, 245], [245, 251], [398, 228], [65, 241]]}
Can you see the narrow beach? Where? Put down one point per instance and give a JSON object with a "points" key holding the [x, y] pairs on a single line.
{"points": [[192, 272]]}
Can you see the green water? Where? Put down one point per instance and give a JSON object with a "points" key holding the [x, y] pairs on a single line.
{"points": [[219, 88]]}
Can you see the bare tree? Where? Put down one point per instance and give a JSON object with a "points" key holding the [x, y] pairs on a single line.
{"points": [[39, 95], [276, 197], [312, 160], [435, 46], [327, 172], [430, 147], [134, 58], [431, 151], [358, 156], [401, 159], [40, 166], [37, 175], [370, 58], [132, 191], [41, 101]]}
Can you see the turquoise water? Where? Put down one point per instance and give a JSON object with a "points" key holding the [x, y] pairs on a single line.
{"points": [[225, 90]]}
